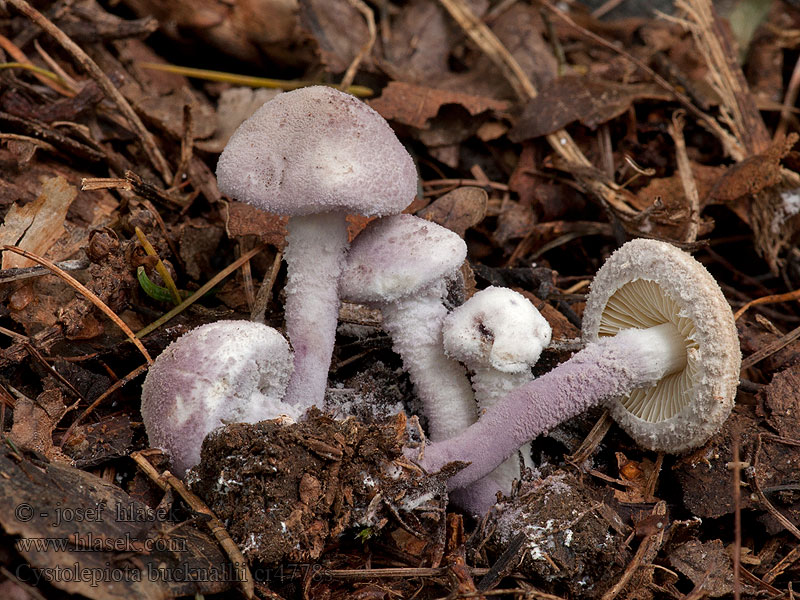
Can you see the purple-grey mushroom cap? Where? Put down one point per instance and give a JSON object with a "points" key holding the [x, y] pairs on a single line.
{"points": [[316, 150], [227, 371], [647, 283], [396, 257]]}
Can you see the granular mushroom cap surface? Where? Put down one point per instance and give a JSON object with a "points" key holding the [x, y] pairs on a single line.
{"points": [[397, 256], [647, 283], [232, 371], [315, 150], [499, 328]]}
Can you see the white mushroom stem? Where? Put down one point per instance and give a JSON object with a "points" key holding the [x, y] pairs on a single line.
{"points": [[499, 335], [415, 326], [490, 384], [607, 369], [315, 250]]}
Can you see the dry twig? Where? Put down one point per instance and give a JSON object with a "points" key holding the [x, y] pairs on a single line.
{"points": [[687, 178], [167, 480], [117, 384], [200, 292], [264, 292], [95, 72], [768, 506], [363, 52], [771, 349], [644, 554], [771, 299]]}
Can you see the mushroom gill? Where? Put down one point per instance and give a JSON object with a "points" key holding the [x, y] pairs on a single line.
{"points": [[641, 304]]}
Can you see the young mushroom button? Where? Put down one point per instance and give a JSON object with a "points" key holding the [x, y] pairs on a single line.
{"points": [[499, 335], [402, 264], [228, 371], [658, 330], [316, 154]]}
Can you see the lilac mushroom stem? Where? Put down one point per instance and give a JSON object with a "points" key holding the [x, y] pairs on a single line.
{"points": [[315, 250], [607, 369]]}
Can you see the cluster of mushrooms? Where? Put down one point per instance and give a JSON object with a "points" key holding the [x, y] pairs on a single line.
{"points": [[661, 346]]}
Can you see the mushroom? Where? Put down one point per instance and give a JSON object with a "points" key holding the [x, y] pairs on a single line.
{"points": [[648, 283], [316, 154], [498, 334], [401, 264], [655, 321], [227, 371]]}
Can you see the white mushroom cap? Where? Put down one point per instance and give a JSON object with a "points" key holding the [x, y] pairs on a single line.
{"points": [[396, 257], [316, 150], [228, 371], [647, 283], [496, 327]]}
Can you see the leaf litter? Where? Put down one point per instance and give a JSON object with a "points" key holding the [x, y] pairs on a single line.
{"points": [[544, 139]]}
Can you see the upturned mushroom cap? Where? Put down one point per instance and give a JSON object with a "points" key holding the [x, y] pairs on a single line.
{"points": [[316, 150], [496, 327], [232, 371], [396, 257], [647, 283]]}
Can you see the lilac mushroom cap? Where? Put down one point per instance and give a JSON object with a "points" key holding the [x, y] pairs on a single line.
{"points": [[401, 264], [639, 356], [648, 283], [316, 154], [228, 371]]}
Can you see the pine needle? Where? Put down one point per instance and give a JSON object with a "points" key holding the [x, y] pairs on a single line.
{"points": [[248, 80]]}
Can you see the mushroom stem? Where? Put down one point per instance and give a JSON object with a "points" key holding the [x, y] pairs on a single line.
{"points": [[612, 367], [415, 326], [315, 249], [491, 385]]}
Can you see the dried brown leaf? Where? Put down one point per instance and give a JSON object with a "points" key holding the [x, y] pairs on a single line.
{"points": [[244, 219], [562, 328], [572, 98], [706, 564], [197, 247], [338, 28], [783, 403], [415, 105], [36, 226], [753, 174], [246, 29], [34, 421], [515, 221], [666, 206], [458, 210], [421, 40]]}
